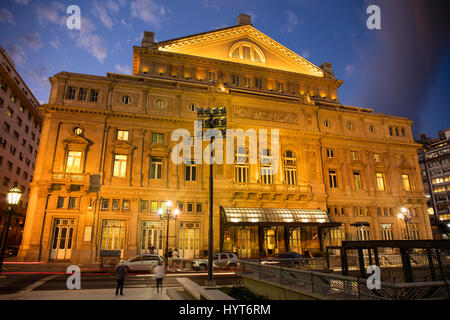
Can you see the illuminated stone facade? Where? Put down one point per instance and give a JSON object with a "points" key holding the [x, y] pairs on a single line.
{"points": [[104, 164]]}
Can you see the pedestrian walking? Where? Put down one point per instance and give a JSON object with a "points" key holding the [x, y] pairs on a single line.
{"points": [[160, 273], [169, 257], [121, 272], [175, 257]]}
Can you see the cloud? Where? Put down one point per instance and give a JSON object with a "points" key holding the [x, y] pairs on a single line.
{"points": [[149, 11], [292, 21], [17, 54], [39, 76], [56, 44], [51, 13], [349, 70], [126, 24], [6, 17], [23, 2], [89, 41], [31, 41], [123, 69], [213, 4], [305, 54]]}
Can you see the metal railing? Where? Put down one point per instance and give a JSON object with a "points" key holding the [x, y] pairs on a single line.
{"points": [[336, 286], [296, 263]]}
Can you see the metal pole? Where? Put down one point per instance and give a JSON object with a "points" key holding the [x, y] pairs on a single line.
{"points": [[166, 253], [211, 239], [5, 237], [407, 232]]}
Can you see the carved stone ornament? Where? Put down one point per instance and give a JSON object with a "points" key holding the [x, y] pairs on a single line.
{"points": [[266, 115]]}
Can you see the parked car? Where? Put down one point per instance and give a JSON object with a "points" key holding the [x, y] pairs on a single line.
{"points": [[142, 262], [220, 260]]}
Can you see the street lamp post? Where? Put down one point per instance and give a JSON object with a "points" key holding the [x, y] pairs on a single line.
{"points": [[404, 216], [13, 199], [212, 119], [168, 216]]}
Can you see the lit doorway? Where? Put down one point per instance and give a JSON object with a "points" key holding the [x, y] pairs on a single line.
{"points": [[189, 240], [295, 242], [271, 241], [152, 237], [243, 243], [63, 230]]}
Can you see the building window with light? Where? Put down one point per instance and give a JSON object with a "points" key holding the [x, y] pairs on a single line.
{"points": [[73, 163], [330, 153], [363, 233], [156, 169], [241, 167], [290, 168], [266, 169], [120, 165], [332, 175], [354, 155], [158, 138], [122, 135], [387, 233], [376, 157], [357, 180], [406, 182], [380, 181]]}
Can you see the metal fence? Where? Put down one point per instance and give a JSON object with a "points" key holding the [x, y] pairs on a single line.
{"points": [[342, 287], [318, 263]]}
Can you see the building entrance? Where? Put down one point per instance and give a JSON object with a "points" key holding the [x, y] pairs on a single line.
{"points": [[243, 243], [62, 239], [189, 240], [271, 236], [152, 237], [295, 243]]}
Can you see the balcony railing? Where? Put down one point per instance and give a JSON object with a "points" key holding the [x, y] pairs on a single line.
{"points": [[80, 178], [283, 188]]}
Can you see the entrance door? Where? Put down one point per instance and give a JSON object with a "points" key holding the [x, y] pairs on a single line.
{"points": [[271, 242], [152, 236], [189, 240], [243, 243], [295, 241], [62, 239]]}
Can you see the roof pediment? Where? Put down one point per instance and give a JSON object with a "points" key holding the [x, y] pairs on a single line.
{"points": [[242, 44]]}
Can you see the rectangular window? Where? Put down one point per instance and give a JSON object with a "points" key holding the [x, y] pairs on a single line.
{"points": [[126, 205], [333, 179], [105, 204], [71, 93], [6, 181], [248, 82], [396, 132], [122, 135], [190, 207], [120, 165], [354, 155], [280, 87], [60, 203], [156, 169], [330, 153], [115, 204], [406, 182], [343, 211], [387, 232], [154, 206], [158, 138], [82, 94], [235, 79], [143, 206], [6, 127], [402, 131], [94, 96], [191, 172], [258, 83], [72, 202], [9, 112], [376, 157], [391, 132], [199, 207], [73, 164], [181, 206], [357, 180], [380, 181]]}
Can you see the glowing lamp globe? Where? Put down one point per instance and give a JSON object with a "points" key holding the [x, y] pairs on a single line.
{"points": [[14, 196]]}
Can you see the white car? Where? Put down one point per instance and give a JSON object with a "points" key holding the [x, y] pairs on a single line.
{"points": [[142, 262], [220, 260]]}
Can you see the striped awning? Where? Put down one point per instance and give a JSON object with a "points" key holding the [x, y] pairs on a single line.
{"points": [[273, 216]]}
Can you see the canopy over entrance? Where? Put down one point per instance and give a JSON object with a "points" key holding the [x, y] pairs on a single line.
{"points": [[275, 217]]}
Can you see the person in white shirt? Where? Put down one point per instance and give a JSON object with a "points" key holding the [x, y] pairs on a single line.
{"points": [[175, 257], [160, 273]]}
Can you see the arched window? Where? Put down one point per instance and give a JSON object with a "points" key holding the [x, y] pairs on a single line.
{"points": [[265, 163], [241, 167], [290, 168], [247, 51]]}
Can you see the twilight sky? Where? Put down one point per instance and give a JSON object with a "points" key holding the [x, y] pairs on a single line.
{"points": [[402, 69]]}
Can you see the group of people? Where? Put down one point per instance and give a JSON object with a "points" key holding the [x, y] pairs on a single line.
{"points": [[159, 271]]}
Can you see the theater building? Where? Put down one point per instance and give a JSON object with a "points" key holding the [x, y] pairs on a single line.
{"points": [[104, 165]]}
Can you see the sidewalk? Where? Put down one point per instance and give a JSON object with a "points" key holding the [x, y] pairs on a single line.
{"points": [[92, 294]]}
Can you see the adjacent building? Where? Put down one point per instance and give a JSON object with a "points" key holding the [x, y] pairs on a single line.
{"points": [[434, 159], [105, 163], [20, 131]]}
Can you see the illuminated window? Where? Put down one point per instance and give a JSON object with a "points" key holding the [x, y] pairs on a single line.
{"points": [[363, 233], [376, 157], [406, 182], [73, 164], [387, 232], [247, 51], [290, 168], [154, 206], [120, 165], [158, 138], [156, 169], [354, 155], [266, 169], [357, 180], [380, 181], [126, 205], [122, 135], [241, 167], [258, 83]]}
